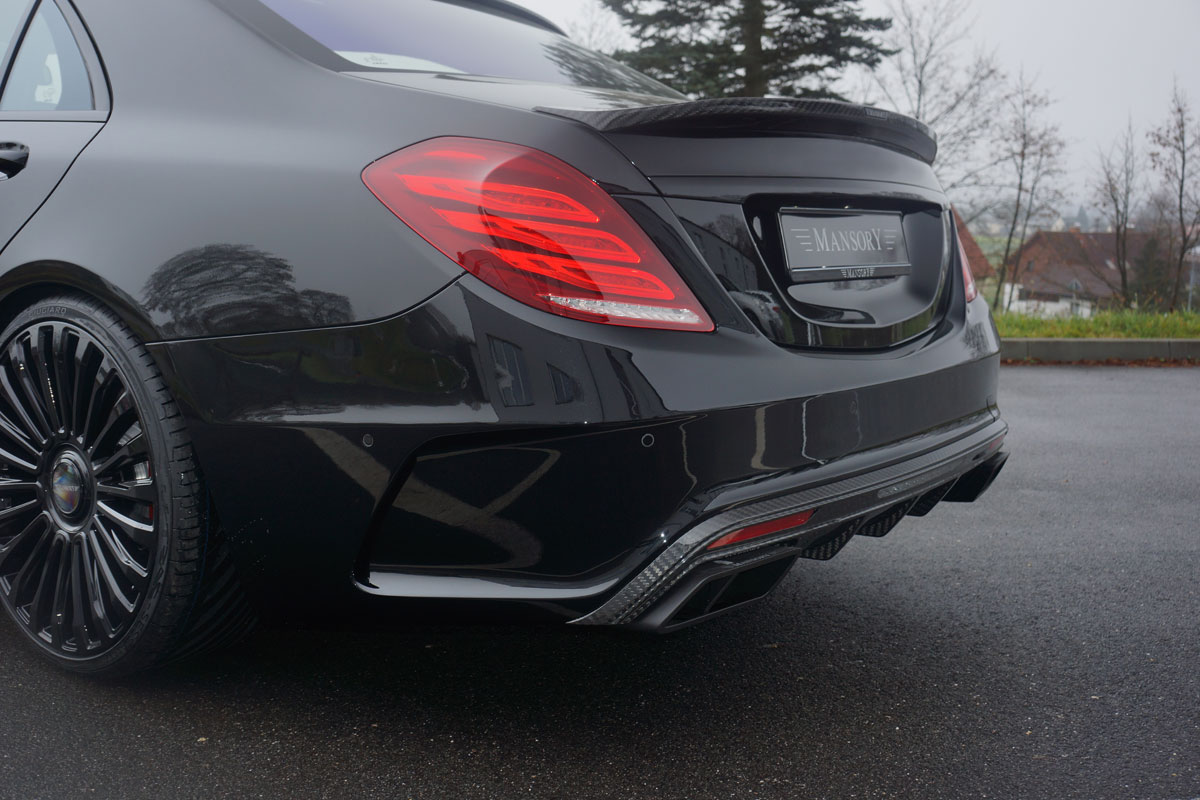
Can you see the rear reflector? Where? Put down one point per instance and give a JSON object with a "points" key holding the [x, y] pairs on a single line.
{"points": [[968, 277], [535, 228], [764, 529]]}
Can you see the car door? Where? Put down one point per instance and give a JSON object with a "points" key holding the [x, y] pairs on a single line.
{"points": [[53, 100]]}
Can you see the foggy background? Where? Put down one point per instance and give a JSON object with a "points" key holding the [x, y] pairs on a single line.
{"points": [[1103, 61]]}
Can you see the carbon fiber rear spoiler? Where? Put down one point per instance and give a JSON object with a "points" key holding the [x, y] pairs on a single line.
{"points": [[735, 116]]}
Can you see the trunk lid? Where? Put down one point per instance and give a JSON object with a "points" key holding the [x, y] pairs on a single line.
{"points": [[742, 174], [822, 220]]}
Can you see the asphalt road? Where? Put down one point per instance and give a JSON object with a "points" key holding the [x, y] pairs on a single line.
{"points": [[1042, 643]]}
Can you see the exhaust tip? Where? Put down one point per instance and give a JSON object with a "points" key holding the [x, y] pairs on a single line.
{"points": [[715, 589]]}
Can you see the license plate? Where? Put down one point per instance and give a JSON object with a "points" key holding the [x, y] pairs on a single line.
{"points": [[843, 245]]}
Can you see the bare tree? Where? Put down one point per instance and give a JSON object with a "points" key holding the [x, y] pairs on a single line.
{"points": [[1175, 153], [1031, 151], [1117, 188], [1151, 277], [1042, 198], [932, 76], [597, 28]]}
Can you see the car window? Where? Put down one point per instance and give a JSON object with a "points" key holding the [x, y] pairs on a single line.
{"points": [[48, 73], [455, 36], [10, 17]]}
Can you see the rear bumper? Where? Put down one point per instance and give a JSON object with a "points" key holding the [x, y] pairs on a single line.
{"points": [[868, 503], [475, 449]]}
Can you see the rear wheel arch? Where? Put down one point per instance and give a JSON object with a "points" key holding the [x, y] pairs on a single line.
{"points": [[208, 607], [29, 283]]}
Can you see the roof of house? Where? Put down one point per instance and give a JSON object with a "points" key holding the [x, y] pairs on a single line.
{"points": [[1074, 263], [980, 266]]}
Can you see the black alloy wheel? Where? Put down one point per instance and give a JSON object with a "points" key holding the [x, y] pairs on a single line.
{"points": [[101, 553]]}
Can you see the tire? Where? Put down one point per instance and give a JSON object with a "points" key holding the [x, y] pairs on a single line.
{"points": [[111, 560]]}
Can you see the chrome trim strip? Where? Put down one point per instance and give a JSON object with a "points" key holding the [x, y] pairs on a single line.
{"points": [[459, 587], [838, 501]]}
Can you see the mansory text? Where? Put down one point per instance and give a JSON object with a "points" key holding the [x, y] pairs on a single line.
{"points": [[316, 305]]}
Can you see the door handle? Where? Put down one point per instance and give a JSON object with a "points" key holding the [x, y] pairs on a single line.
{"points": [[13, 158]]}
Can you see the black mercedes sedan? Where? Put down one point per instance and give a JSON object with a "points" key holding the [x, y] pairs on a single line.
{"points": [[314, 308]]}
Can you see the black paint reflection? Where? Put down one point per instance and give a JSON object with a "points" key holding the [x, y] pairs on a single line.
{"points": [[976, 339], [512, 376], [475, 504], [231, 288], [586, 68], [724, 245]]}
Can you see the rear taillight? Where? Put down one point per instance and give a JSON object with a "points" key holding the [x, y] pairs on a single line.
{"points": [[764, 529], [535, 228], [968, 278]]}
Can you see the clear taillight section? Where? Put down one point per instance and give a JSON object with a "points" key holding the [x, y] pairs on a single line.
{"points": [[968, 278], [535, 228]]}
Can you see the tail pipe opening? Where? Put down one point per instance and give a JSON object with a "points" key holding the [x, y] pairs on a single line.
{"points": [[717, 587]]}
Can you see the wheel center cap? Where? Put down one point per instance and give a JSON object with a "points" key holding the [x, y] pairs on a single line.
{"points": [[66, 481]]}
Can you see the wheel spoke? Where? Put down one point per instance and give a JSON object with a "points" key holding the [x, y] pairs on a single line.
{"points": [[98, 405], [115, 591], [27, 382], [17, 435], [41, 352], [17, 510], [95, 592], [8, 457], [52, 589], [132, 569], [18, 405], [35, 529], [16, 461], [138, 491], [119, 420], [133, 451], [19, 585], [136, 529], [88, 360], [80, 616], [63, 351]]}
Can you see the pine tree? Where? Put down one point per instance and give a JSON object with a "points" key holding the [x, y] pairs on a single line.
{"points": [[715, 48]]}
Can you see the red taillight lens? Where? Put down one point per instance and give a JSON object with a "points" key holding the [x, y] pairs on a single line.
{"points": [[763, 529], [968, 278], [535, 228]]}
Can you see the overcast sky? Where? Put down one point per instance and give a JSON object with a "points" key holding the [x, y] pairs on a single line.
{"points": [[1102, 60]]}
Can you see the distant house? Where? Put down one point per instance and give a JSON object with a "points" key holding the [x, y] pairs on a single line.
{"points": [[1079, 220], [1067, 273], [980, 266]]}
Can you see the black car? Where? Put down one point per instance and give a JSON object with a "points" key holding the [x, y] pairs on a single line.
{"points": [[320, 308]]}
